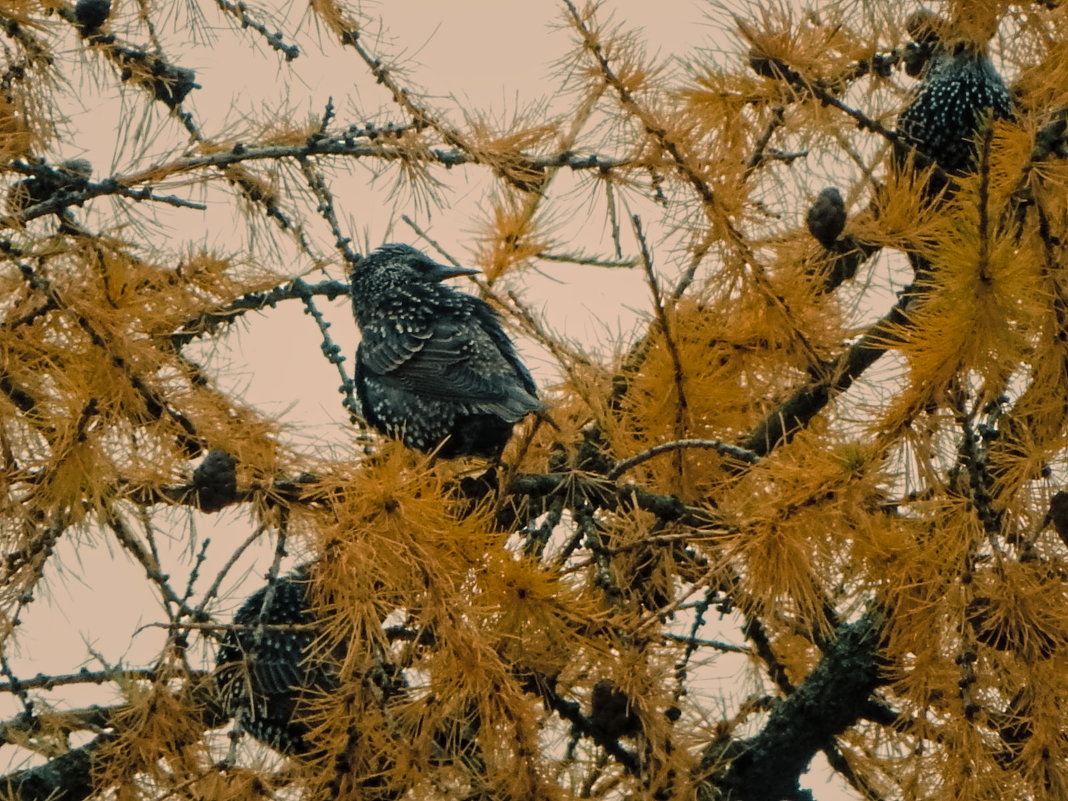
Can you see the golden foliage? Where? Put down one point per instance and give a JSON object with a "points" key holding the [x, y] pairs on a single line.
{"points": [[796, 436]]}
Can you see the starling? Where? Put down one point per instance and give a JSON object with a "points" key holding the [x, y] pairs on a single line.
{"points": [[434, 367], [263, 674], [959, 92]]}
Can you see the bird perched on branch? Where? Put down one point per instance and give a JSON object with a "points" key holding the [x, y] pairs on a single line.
{"points": [[960, 92], [434, 367], [263, 668]]}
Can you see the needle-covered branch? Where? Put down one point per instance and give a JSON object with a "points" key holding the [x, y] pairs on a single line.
{"points": [[137, 186], [65, 778]]}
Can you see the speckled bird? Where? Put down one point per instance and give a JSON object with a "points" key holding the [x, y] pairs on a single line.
{"points": [[262, 681], [434, 367], [959, 92]]}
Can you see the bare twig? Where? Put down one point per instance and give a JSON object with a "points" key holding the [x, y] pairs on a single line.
{"points": [[241, 13], [152, 568], [681, 405], [83, 676], [717, 645], [741, 454], [200, 613], [592, 261]]}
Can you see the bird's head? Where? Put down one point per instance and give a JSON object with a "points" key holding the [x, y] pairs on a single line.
{"points": [[404, 264], [395, 273]]}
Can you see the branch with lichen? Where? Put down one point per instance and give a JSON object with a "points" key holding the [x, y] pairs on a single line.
{"points": [[830, 700]]}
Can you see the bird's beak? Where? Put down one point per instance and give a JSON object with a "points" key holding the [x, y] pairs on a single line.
{"points": [[445, 271]]}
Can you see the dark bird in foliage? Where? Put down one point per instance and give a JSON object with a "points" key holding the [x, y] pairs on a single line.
{"points": [[271, 667], [434, 367], [959, 93], [263, 674]]}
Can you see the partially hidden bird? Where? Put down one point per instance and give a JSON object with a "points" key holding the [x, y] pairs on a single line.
{"points": [[960, 93], [264, 670], [434, 367]]}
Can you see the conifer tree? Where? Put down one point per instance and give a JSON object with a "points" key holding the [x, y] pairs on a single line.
{"points": [[809, 511]]}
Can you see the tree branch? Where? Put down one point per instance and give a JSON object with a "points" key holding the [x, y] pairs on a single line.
{"points": [[733, 451], [807, 401], [68, 777], [830, 700]]}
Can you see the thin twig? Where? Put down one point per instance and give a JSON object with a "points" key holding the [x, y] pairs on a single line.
{"points": [[241, 13], [691, 641], [326, 208], [718, 645], [592, 261], [200, 614], [681, 405], [733, 451], [83, 676], [151, 566]]}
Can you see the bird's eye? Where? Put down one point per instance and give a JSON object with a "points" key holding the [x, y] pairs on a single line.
{"points": [[427, 270]]}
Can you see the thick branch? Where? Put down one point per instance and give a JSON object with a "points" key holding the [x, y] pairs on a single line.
{"points": [[66, 778], [809, 400], [833, 698], [603, 494], [732, 451], [571, 711], [69, 777]]}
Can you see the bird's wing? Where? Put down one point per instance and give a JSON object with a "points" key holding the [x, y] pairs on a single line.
{"points": [[275, 657], [279, 665], [451, 360], [275, 667]]}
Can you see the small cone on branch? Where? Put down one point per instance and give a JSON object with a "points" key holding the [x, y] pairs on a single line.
{"points": [[612, 711], [827, 217]]}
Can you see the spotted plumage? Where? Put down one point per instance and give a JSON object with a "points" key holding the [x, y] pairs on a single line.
{"points": [[434, 367], [264, 675], [959, 92]]}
